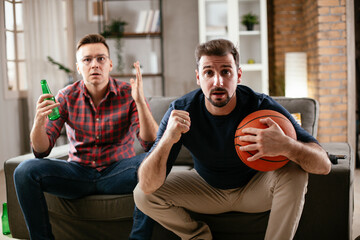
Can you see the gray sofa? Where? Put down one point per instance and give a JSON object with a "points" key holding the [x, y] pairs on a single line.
{"points": [[327, 213]]}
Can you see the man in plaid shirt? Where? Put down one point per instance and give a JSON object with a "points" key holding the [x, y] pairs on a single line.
{"points": [[102, 115]]}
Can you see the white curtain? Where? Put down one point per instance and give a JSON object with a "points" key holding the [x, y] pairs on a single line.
{"points": [[44, 36]]}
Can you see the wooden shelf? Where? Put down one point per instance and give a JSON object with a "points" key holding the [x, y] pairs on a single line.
{"points": [[124, 0], [156, 34], [249, 33], [130, 75], [137, 35]]}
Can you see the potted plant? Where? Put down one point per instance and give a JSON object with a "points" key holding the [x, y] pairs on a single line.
{"points": [[249, 20], [68, 71], [116, 29]]}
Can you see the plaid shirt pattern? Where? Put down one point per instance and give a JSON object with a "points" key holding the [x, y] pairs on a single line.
{"points": [[98, 136]]}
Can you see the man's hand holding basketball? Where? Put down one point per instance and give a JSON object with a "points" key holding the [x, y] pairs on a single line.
{"points": [[268, 142]]}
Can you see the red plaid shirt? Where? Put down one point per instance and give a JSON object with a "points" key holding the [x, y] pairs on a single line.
{"points": [[98, 136]]}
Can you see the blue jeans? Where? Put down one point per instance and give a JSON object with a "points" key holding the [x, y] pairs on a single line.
{"points": [[71, 180]]}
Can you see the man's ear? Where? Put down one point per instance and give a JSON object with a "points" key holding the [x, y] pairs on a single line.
{"points": [[78, 68], [197, 77], [239, 75], [111, 65]]}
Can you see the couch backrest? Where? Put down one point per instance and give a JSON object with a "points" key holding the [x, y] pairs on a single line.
{"points": [[307, 107], [159, 106]]}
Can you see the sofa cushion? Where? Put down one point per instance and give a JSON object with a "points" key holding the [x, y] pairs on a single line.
{"points": [[87, 208], [109, 216]]}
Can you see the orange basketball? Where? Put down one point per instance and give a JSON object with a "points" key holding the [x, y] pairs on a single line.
{"points": [[263, 164]]}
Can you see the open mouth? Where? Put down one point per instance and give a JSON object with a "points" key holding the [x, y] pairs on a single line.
{"points": [[95, 74], [219, 97], [218, 92]]}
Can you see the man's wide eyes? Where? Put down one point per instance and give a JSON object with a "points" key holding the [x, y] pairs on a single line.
{"points": [[211, 72], [208, 72], [100, 59], [225, 71]]}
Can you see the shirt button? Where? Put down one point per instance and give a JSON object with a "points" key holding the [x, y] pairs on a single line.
{"points": [[93, 162], [95, 145], [97, 119], [97, 137]]}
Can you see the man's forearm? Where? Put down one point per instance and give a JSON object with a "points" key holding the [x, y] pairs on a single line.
{"points": [[39, 139], [148, 125], [152, 171], [311, 157]]}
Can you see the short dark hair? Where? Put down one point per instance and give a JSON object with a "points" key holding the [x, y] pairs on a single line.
{"points": [[92, 38], [217, 47]]}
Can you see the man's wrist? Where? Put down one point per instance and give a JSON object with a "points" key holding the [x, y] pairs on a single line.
{"points": [[140, 101]]}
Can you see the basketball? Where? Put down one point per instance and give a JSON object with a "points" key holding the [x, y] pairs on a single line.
{"points": [[263, 164]]}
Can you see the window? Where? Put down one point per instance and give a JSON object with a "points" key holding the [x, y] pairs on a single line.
{"points": [[15, 48], [12, 45]]}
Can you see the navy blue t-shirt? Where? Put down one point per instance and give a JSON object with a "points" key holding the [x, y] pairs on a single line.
{"points": [[210, 139]]}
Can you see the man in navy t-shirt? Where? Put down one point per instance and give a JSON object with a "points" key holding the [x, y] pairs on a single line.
{"points": [[205, 121]]}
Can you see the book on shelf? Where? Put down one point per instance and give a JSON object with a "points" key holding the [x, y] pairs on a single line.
{"points": [[148, 21], [141, 21], [155, 27]]}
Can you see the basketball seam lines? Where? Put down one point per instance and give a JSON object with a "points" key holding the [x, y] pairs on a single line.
{"points": [[262, 117]]}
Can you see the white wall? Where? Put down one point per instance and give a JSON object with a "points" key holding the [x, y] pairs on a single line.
{"points": [[181, 36]]}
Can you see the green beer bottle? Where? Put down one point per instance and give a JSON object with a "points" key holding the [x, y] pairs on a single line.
{"points": [[45, 89], [5, 220]]}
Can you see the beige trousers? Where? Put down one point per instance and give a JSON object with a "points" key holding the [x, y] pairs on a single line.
{"points": [[282, 191]]}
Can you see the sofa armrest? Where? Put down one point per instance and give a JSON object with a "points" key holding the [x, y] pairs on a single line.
{"points": [[16, 218], [328, 208]]}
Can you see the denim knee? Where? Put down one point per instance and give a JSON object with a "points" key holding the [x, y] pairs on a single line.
{"points": [[24, 171]]}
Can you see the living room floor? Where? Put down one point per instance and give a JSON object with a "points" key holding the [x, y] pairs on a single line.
{"points": [[356, 219]]}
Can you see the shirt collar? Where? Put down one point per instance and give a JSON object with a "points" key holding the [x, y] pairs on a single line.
{"points": [[111, 87]]}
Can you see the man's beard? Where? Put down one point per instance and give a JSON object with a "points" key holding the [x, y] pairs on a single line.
{"points": [[219, 103]]}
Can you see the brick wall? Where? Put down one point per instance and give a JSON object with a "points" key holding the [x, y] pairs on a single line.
{"points": [[287, 28], [318, 28], [332, 90], [310, 13]]}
